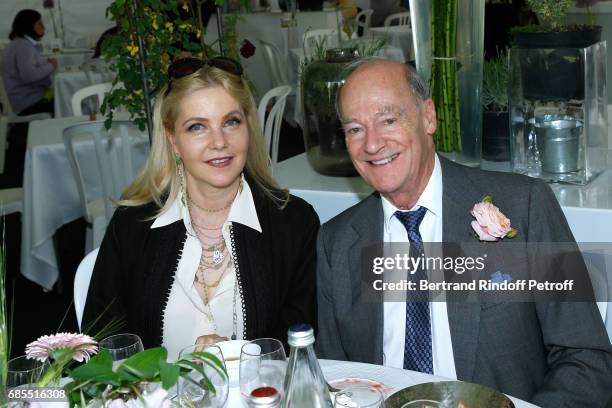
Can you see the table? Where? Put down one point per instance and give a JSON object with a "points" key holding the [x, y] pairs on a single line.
{"points": [[392, 377], [70, 59], [588, 209], [50, 197], [398, 36], [72, 78]]}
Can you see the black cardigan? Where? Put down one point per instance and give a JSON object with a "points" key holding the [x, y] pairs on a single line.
{"points": [[136, 267]]}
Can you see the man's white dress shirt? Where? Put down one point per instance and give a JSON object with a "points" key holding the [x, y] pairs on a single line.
{"points": [[394, 331]]}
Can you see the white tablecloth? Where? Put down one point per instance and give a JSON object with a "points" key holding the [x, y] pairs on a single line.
{"points": [[391, 377], [70, 59], [50, 196], [72, 78], [398, 36]]}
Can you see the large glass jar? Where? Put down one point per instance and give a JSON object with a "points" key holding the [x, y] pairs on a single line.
{"points": [[323, 135]]}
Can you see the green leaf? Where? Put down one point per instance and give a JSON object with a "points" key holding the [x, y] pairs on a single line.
{"points": [[144, 364], [100, 366], [211, 360], [168, 373], [120, 3]]}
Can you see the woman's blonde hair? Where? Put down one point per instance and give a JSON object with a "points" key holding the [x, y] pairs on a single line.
{"points": [[159, 176]]}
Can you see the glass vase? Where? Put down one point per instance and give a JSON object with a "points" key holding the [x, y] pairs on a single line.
{"points": [[323, 134], [448, 39]]}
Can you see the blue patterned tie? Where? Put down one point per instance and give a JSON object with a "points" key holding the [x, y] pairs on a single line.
{"points": [[417, 345]]}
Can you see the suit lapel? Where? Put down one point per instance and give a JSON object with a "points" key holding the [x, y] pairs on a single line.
{"points": [[368, 230], [458, 197]]}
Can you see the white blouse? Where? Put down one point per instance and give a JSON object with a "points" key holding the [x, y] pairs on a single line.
{"points": [[186, 316]]}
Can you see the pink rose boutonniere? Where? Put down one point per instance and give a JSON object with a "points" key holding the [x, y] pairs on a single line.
{"points": [[490, 224]]}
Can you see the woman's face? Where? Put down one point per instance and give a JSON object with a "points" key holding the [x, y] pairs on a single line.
{"points": [[39, 28], [211, 136]]}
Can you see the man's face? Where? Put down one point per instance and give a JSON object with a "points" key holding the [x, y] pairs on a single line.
{"points": [[388, 136]]}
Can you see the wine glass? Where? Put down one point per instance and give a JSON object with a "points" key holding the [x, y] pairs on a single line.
{"points": [[121, 347], [22, 371], [359, 397], [208, 384], [263, 363]]}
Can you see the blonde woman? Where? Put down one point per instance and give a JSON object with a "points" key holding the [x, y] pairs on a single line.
{"points": [[205, 246]]}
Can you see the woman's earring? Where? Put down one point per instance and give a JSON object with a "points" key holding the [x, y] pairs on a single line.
{"points": [[181, 178]]}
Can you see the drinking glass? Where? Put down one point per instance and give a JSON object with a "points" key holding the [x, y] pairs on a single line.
{"points": [[23, 371], [121, 347], [359, 397], [195, 391], [263, 363]]}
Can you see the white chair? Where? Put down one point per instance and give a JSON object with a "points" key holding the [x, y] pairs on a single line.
{"points": [[7, 117], [92, 209], [98, 90], [114, 162], [397, 19], [272, 125], [114, 150], [11, 201], [274, 63], [363, 20], [81, 283], [323, 37]]}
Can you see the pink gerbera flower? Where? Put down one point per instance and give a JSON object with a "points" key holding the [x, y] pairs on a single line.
{"points": [[82, 346]]}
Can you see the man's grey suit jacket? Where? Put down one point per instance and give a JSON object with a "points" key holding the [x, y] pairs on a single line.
{"points": [[552, 354]]}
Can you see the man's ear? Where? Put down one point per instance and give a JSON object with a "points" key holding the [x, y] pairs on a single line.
{"points": [[428, 115]]}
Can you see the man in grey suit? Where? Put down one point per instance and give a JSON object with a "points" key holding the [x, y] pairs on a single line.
{"points": [[552, 354]]}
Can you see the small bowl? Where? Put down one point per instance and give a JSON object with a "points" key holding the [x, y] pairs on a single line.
{"points": [[343, 383], [231, 355]]}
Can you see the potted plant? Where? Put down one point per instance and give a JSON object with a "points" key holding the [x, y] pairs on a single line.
{"points": [[150, 34], [142, 380], [555, 74], [495, 127]]}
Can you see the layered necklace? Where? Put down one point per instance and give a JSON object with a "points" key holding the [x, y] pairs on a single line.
{"points": [[215, 259]]}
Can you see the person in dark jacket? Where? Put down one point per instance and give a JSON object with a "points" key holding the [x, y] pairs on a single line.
{"points": [[205, 246]]}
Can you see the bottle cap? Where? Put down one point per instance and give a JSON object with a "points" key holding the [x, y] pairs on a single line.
{"points": [[264, 397], [300, 335]]}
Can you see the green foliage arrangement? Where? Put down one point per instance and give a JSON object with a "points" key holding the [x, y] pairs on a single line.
{"points": [[495, 77], [444, 83], [97, 380], [167, 28], [551, 13]]}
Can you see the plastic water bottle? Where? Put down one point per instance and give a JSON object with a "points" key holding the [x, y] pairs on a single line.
{"points": [[305, 386]]}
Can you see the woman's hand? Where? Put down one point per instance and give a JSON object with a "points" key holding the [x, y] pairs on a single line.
{"points": [[210, 339]]}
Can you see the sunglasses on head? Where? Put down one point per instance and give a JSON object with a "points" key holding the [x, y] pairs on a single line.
{"points": [[187, 66]]}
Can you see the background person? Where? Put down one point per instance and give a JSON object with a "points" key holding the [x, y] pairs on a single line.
{"points": [[27, 75]]}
